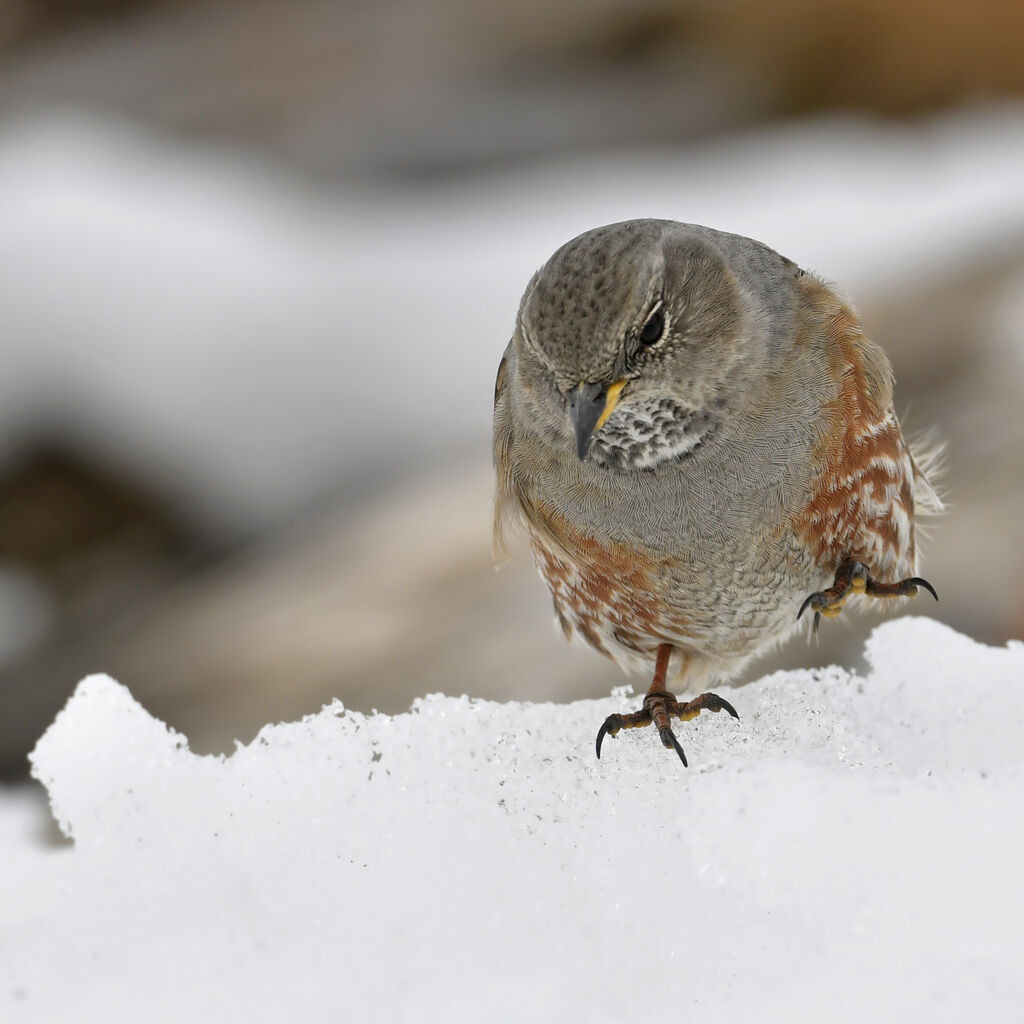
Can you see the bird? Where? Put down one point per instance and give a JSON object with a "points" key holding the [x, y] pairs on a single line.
{"points": [[700, 442]]}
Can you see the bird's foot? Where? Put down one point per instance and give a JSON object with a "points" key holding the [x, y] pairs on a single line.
{"points": [[659, 708], [853, 578]]}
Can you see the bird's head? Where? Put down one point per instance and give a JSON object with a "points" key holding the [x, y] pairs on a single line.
{"points": [[626, 338]]}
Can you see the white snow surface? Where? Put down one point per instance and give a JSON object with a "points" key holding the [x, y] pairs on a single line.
{"points": [[850, 850]]}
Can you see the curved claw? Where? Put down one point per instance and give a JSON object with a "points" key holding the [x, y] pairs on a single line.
{"points": [[668, 738], [723, 705], [605, 729], [918, 582], [807, 601]]}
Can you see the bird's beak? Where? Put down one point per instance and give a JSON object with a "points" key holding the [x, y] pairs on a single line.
{"points": [[590, 405]]}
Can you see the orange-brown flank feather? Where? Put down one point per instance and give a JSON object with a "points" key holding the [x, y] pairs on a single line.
{"points": [[861, 505], [604, 593]]}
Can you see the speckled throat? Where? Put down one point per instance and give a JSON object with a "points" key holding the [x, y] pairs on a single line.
{"points": [[650, 432]]}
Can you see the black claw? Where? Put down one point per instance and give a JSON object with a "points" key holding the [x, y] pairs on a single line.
{"points": [[803, 607], [601, 733], [726, 706], [817, 622], [668, 737], [716, 704], [918, 582]]}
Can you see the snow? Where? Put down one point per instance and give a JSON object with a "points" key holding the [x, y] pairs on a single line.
{"points": [[246, 339], [849, 850]]}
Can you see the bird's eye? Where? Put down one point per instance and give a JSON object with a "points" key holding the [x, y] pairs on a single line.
{"points": [[653, 328]]}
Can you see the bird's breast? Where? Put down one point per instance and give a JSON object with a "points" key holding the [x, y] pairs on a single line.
{"points": [[607, 594]]}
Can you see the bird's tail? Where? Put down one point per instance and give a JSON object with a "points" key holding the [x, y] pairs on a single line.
{"points": [[928, 454]]}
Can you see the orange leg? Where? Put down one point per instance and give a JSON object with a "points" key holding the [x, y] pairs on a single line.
{"points": [[660, 707]]}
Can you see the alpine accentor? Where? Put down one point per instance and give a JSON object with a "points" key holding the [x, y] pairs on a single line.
{"points": [[701, 444]]}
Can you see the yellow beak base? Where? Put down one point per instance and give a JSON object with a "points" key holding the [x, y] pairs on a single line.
{"points": [[610, 402]]}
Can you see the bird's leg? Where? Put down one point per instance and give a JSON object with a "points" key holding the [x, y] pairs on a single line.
{"points": [[660, 707], [852, 578]]}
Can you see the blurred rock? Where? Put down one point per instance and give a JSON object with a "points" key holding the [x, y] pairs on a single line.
{"points": [[78, 543]]}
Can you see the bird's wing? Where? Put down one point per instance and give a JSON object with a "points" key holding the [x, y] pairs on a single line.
{"points": [[504, 503], [862, 498]]}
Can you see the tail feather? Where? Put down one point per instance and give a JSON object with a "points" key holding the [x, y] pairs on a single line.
{"points": [[928, 453]]}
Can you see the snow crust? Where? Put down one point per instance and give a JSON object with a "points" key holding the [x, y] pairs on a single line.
{"points": [[850, 850]]}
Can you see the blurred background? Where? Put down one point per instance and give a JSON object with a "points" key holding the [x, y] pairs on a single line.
{"points": [[259, 261]]}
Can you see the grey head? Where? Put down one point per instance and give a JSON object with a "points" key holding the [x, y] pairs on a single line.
{"points": [[629, 339]]}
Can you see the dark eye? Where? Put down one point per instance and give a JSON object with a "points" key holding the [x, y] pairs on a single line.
{"points": [[652, 330]]}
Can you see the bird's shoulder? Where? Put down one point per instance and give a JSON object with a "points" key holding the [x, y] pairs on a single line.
{"points": [[501, 377]]}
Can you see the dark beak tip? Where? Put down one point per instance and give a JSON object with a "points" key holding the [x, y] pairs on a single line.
{"points": [[586, 404]]}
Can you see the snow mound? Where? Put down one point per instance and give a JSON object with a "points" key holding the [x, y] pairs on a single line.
{"points": [[850, 849]]}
